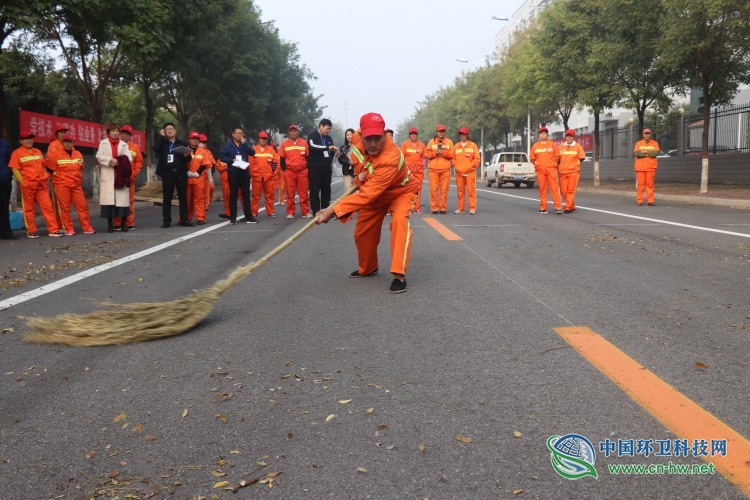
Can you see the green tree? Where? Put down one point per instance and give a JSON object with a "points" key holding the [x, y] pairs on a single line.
{"points": [[710, 41]]}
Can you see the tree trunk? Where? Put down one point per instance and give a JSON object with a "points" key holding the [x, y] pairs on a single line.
{"points": [[148, 102], [4, 115], [704, 138], [596, 148]]}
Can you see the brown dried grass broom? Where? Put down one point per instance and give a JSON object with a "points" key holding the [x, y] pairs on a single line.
{"points": [[128, 323]]}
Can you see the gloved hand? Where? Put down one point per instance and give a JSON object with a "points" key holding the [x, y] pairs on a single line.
{"points": [[193, 175], [211, 180]]}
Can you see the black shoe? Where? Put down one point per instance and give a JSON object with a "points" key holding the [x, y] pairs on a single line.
{"points": [[124, 228], [111, 229], [166, 225], [434, 212], [443, 212], [567, 211], [541, 212], [651, 204], [558, 212], [131, 228], [233, 222], [355, 274], [200, 223], [186, 224], [223, 216], [397, 286], [639, 204], [251, 220]]}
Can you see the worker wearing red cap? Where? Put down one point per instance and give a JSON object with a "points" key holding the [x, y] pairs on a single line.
{"points": [[68, 179], [645, 151], [28, 166], [264, 175], [208, 174], [571, 156], [439, 152], [293, 154], [126, 134], [545, 156], [414, 150], [385, 187], [54, 151], [466, 160], [196, 189]]}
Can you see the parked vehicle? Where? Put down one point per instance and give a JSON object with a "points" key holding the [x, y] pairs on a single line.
{"points": [[513, 167]]}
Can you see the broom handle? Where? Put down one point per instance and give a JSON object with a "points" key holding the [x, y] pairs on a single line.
{"points": [[241, 272]]}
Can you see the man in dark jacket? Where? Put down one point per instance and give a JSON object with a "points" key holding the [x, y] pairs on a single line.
{"points": [[238, 152], [172, 168], [6, 183], [319, 168]]}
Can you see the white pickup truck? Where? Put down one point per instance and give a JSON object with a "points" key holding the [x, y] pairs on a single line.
{"points": [[511, 167]]}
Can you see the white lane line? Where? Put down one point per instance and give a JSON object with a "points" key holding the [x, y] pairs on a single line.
{"points": [[485, 225], [631, 224], [51, 287], [734, 224], [638, 217]]}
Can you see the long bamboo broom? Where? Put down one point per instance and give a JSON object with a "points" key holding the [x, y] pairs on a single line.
{"points": [[128, 323]]}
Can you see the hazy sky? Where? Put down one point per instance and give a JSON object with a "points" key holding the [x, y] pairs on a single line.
{"points": [[386, 56]]}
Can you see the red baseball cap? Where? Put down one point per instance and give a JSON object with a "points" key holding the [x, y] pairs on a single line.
{"points": [[389, 130], [440, 127], [372, 124], [413, 130], [194, 135], [203, 137], [68, 137], [127, 128], [262, 134], [571, 132], [293, 126], [25, 134], [646, 130], [60, 128], [543, 129], [464, 130]]}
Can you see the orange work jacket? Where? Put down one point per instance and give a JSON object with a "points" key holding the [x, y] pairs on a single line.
{"points": [[295, 154], [199, 159], [29, 163], [441, 163], [466, 157], [545, 155], [571, 156], [414, 154], [264, 157], [646, 164]]}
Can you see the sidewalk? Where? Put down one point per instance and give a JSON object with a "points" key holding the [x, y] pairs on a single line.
{"points": [[727, 195]]}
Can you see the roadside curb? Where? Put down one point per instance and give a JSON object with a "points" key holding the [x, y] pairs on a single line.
{"points": [[693, 200]]}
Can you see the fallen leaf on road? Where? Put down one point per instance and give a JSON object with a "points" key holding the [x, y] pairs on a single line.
{"points": [[113, 474], [344, 401], [222, 417], [185, 413], [218, 473], [363, 470], [224, 395], [701, 366], [464, 439], [517, 434], [221, 484], [286, 375], [235, 452], [330, 417], [370, 410], [119, 418], [517, 492], [289, 436], [7, 330], [90, 454], [383, 427], [138, 428], [150, 438], [421, 447], [262, 464]]}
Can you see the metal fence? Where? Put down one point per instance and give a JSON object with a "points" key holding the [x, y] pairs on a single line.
{"points": [[729, 132]]}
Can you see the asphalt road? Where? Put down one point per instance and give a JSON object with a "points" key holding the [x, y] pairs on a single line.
{"points": [[469, 353]]}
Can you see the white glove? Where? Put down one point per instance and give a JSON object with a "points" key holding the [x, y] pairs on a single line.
{"points": [[211, 180], [193, 174]]}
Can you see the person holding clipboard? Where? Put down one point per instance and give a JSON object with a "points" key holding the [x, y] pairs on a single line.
{"points": [[173, 156], [237, 154], [319, 165]]}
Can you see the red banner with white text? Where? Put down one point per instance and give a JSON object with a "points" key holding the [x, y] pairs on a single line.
{"points": [[586, 142], [85, 134]]}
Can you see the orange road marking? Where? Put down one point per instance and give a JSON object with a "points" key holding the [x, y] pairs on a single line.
{"points": [[677, 412], [444, 231]]}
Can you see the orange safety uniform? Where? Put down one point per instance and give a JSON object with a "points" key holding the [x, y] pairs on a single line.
{"points": [[209, 174], [545, 156], [196, 189], [439, 173], [414, 155], [388, 188], [54, 149], [264, 178], [28, 169], [571, 156], [136, 165], [281, 186], [645, 170], [295, 155], [466, 160], [68, 179]]}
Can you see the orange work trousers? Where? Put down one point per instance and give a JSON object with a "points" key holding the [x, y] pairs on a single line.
{"points": [[196, 200], [55, 204], [297, 183], [368, 228], [464, 184], [130, 218], [281, 185], [267, 187], [35, 192], [418, 179], [645, 180], [548, 179], [439, 184], [568, 186], [72, 193], [209, 194]]}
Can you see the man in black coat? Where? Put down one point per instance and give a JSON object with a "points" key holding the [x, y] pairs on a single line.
{"points": [[319, 168], [172, 168]]}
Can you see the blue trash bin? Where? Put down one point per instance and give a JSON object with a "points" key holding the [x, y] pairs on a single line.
{"points": [[16, 221]]}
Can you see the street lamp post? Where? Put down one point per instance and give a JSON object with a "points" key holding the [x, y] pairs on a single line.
{"points": [[528, 110]]}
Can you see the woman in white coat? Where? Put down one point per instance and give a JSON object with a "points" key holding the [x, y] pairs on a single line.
{"points": [[114, 202]]}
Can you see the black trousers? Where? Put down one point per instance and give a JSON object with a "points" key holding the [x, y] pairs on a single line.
{"points": [[320, 187], [171, 180], [5, 188], [239, 183]]}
